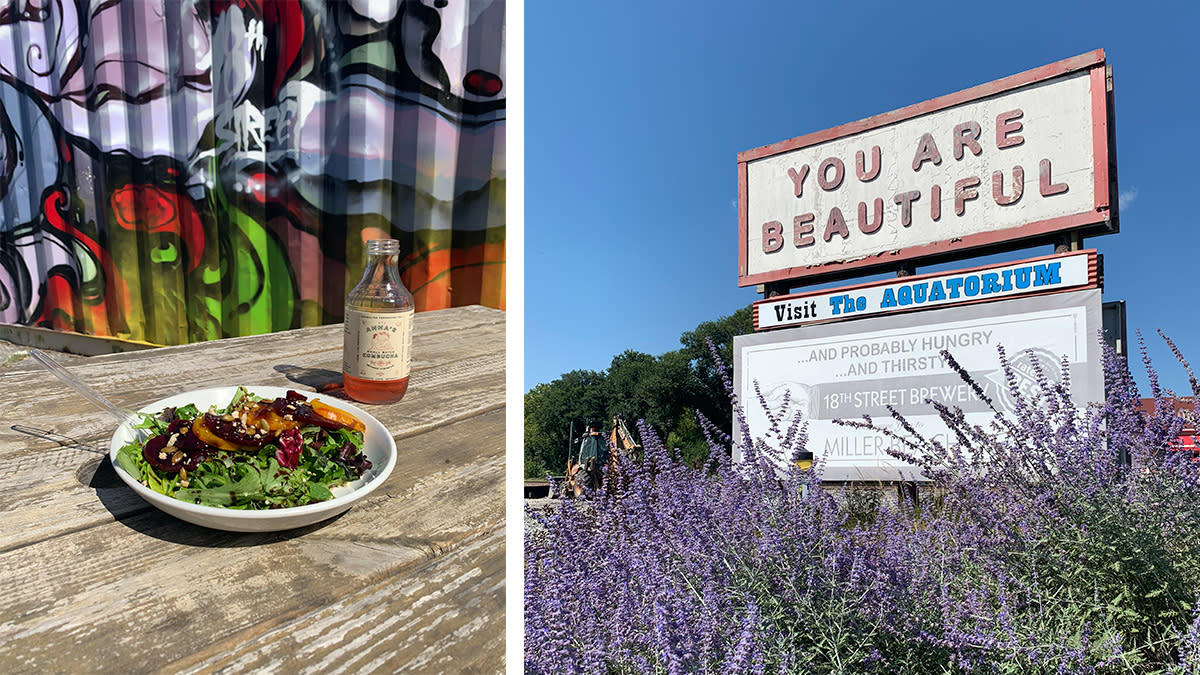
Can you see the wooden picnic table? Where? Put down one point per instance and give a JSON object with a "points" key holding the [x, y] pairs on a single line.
{"points": [[93, 578]]}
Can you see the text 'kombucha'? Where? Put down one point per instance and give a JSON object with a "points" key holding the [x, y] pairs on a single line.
{"points": [[377, 340]]}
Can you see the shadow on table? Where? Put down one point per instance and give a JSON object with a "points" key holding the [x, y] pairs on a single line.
{"points": [[131, 511], [327, 382]]}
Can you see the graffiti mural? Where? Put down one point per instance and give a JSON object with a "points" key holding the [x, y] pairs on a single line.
{"points": [[174, 171]]}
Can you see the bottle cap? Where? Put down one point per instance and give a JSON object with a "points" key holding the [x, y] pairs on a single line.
{"points": [[383, 246]]}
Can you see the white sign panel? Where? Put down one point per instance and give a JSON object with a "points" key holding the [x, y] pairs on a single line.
{"points": [[995, 164], [1072, 270], [843, 371]]}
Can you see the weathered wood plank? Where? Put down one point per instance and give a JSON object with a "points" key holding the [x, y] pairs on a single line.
{"points": [[311, 355], [138, 595], [413, 576], [464, 377], [379, 629]]}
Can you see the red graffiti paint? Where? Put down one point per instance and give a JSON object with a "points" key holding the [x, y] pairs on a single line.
{"points": [[148, 208], [482, 83], [256, 186], [106, 311], [286, 28], [64, 150], [60, 302], [219, 7]]}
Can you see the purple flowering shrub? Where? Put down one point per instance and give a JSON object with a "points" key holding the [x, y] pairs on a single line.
{"points": [[1033, 548]]}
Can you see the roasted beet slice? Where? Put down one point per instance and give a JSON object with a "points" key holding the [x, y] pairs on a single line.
{"points": [[188, 442], [194, 459], [296, 407], [285, 406], [150, 453], [234, 431], [184, 438], [172, 459]]}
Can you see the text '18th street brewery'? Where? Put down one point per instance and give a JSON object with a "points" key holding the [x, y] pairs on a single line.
{"points": [[376, 348]]}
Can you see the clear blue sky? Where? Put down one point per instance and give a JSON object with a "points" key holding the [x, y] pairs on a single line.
{"points": [[635, 113]]}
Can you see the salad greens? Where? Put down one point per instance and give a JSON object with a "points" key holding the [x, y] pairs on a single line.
{"points": [[298, 465]]}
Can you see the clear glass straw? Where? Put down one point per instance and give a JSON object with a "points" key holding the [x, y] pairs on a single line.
{"points": [[78, 385]]}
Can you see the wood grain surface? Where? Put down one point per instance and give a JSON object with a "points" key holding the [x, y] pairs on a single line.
{"points": [[93, 579]]}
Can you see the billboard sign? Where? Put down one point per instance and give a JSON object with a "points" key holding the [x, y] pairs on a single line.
{"points": [[847, 369], [1049, 274], [999, 166]]}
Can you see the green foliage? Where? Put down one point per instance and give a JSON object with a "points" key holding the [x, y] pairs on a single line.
{"points": [[1032, 549], [714, 403], [550, 408], [665, 391], [1140, 562], [688, 438], [721, 332]]}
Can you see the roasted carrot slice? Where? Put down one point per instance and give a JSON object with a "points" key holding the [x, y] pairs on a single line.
{"points": [[337, 415]]}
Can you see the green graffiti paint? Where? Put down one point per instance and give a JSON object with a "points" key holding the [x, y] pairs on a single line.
{"points": [[264, 292], [165, 254]]}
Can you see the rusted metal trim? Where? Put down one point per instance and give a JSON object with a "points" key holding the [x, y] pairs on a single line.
{"points": [[743, 231], [70, 342], [1102, 215], [1099, 91], [1091, 59], [1114, 205]]}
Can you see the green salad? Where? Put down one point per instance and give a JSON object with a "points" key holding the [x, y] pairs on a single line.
{"points": [[254, 453]]}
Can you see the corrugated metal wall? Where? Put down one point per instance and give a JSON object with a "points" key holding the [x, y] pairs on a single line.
{"points": [[182, 171]]}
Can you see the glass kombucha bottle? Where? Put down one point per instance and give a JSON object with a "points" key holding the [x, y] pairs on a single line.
{"points": [[376, 347]]}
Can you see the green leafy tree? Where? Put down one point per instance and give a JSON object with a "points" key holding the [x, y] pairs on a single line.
{"points": [[713, 401], [721, 331], [550, 408], [622, 384], [665, 391], [654, 389], [687, 439]]}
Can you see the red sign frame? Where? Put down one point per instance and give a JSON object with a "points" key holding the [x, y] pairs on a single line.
{"points": [[1101, 219]]}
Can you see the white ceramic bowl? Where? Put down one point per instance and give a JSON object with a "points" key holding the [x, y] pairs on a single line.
{"points": [[378, 447]]}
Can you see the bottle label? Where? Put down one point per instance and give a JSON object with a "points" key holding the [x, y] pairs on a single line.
{"points": [[377, 345]]}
